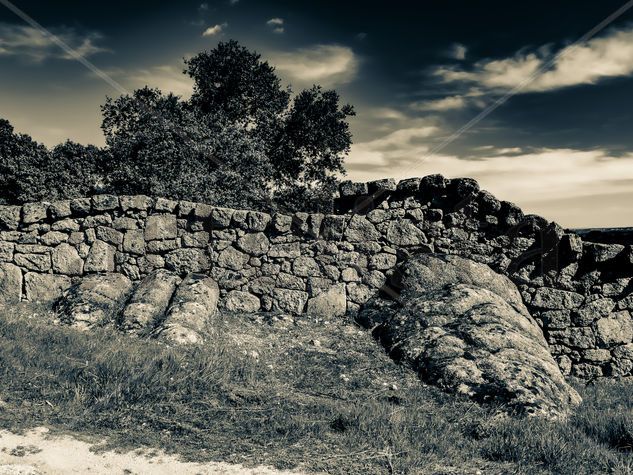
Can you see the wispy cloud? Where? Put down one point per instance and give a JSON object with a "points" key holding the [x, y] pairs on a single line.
{"points": [[440, 105], [277, 25], [328, 65], [167, 78], [600, 58], [35, 45], [215, 29]]}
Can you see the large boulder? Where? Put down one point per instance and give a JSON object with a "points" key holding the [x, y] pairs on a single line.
{"points": [[96, 300], [149, 301], [465, 328], [193, 306]]}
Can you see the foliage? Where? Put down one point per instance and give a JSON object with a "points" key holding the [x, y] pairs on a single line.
{"points": [[30, 172], [240, 141], [306, 139], [162, 147]]}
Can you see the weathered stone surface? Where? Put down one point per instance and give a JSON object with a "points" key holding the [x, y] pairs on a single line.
{"points": [[34, 212], [349, 188], [9, 217], [66, 260], [34, 262], [134, 242], [329, 304], [149, 301], [254, 244], [616, 329], [10, 283], [359, 229], [381, 186], [109, 235], [136, 202], [549, 298], [45, 288], [599, 253], [96, 300], [465, 328], [593, 310], [192, 308], [100, 258], [161, 226], [285, 250], [292, 301], [409, 185], [382, 261], [305, 266], [105, 202], [232, 259], [184, 261], [256, 221], [6, 251], [53, 238], [66, 225], [238, 301], [405, 233]]}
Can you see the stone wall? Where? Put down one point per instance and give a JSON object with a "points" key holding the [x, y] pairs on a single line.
{"points": [[329, 265]]}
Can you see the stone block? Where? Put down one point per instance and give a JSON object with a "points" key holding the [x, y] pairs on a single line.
{"points": [[161, 226], [100, 257], [105, 202], [10, 217], [10, 283], [66, 260], [329, 304]]}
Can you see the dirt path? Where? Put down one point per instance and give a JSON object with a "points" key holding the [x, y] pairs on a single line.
{"points": [[36, 452]]}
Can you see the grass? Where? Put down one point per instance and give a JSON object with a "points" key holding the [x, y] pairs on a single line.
{"points": [[314, 396]]}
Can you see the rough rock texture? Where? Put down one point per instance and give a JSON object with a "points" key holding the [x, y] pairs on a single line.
{"points": [[45, 288], [465, 328], [10, 283], [149, 301], [331, 303], [193, 306], [96, 300]]}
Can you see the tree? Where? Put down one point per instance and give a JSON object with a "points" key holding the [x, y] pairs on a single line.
{"points": [[22, 166], [75, 170], [312, 144], [234, 81], [162, 147], [306, 139]]}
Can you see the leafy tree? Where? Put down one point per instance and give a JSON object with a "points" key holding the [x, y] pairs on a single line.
{"points": [[309, 155], [306, 138], [162, 147], [75, 170], [22, 165], [234, 81]]}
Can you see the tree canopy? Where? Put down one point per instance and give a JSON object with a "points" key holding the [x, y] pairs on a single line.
{"points": [[241, 140]]}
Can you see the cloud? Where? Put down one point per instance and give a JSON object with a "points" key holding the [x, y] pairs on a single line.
{"points": [[234, 2], [203, 6], [458, 51], [402, 146], [547, 181], [600, 58], [35, 45], [214, 30], [277, 24], [328, 65], [440, 105], [167, 78]]}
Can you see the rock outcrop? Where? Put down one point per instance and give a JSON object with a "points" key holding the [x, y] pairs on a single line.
{"points": [[463, 327], [95, 300], [192, 308]]}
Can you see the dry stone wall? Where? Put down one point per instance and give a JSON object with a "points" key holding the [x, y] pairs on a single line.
{"points": [[579, 292]]}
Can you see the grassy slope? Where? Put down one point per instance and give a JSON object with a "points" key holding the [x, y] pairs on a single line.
{"points": [[266, 392]]}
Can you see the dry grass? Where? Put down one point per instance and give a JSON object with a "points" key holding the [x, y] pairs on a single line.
{"points": [[312, 395]]}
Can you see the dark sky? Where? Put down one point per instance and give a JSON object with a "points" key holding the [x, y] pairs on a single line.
{"points": [[415, 71]]}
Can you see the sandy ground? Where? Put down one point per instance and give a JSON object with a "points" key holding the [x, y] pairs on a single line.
{"points": [[36, 452]]}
